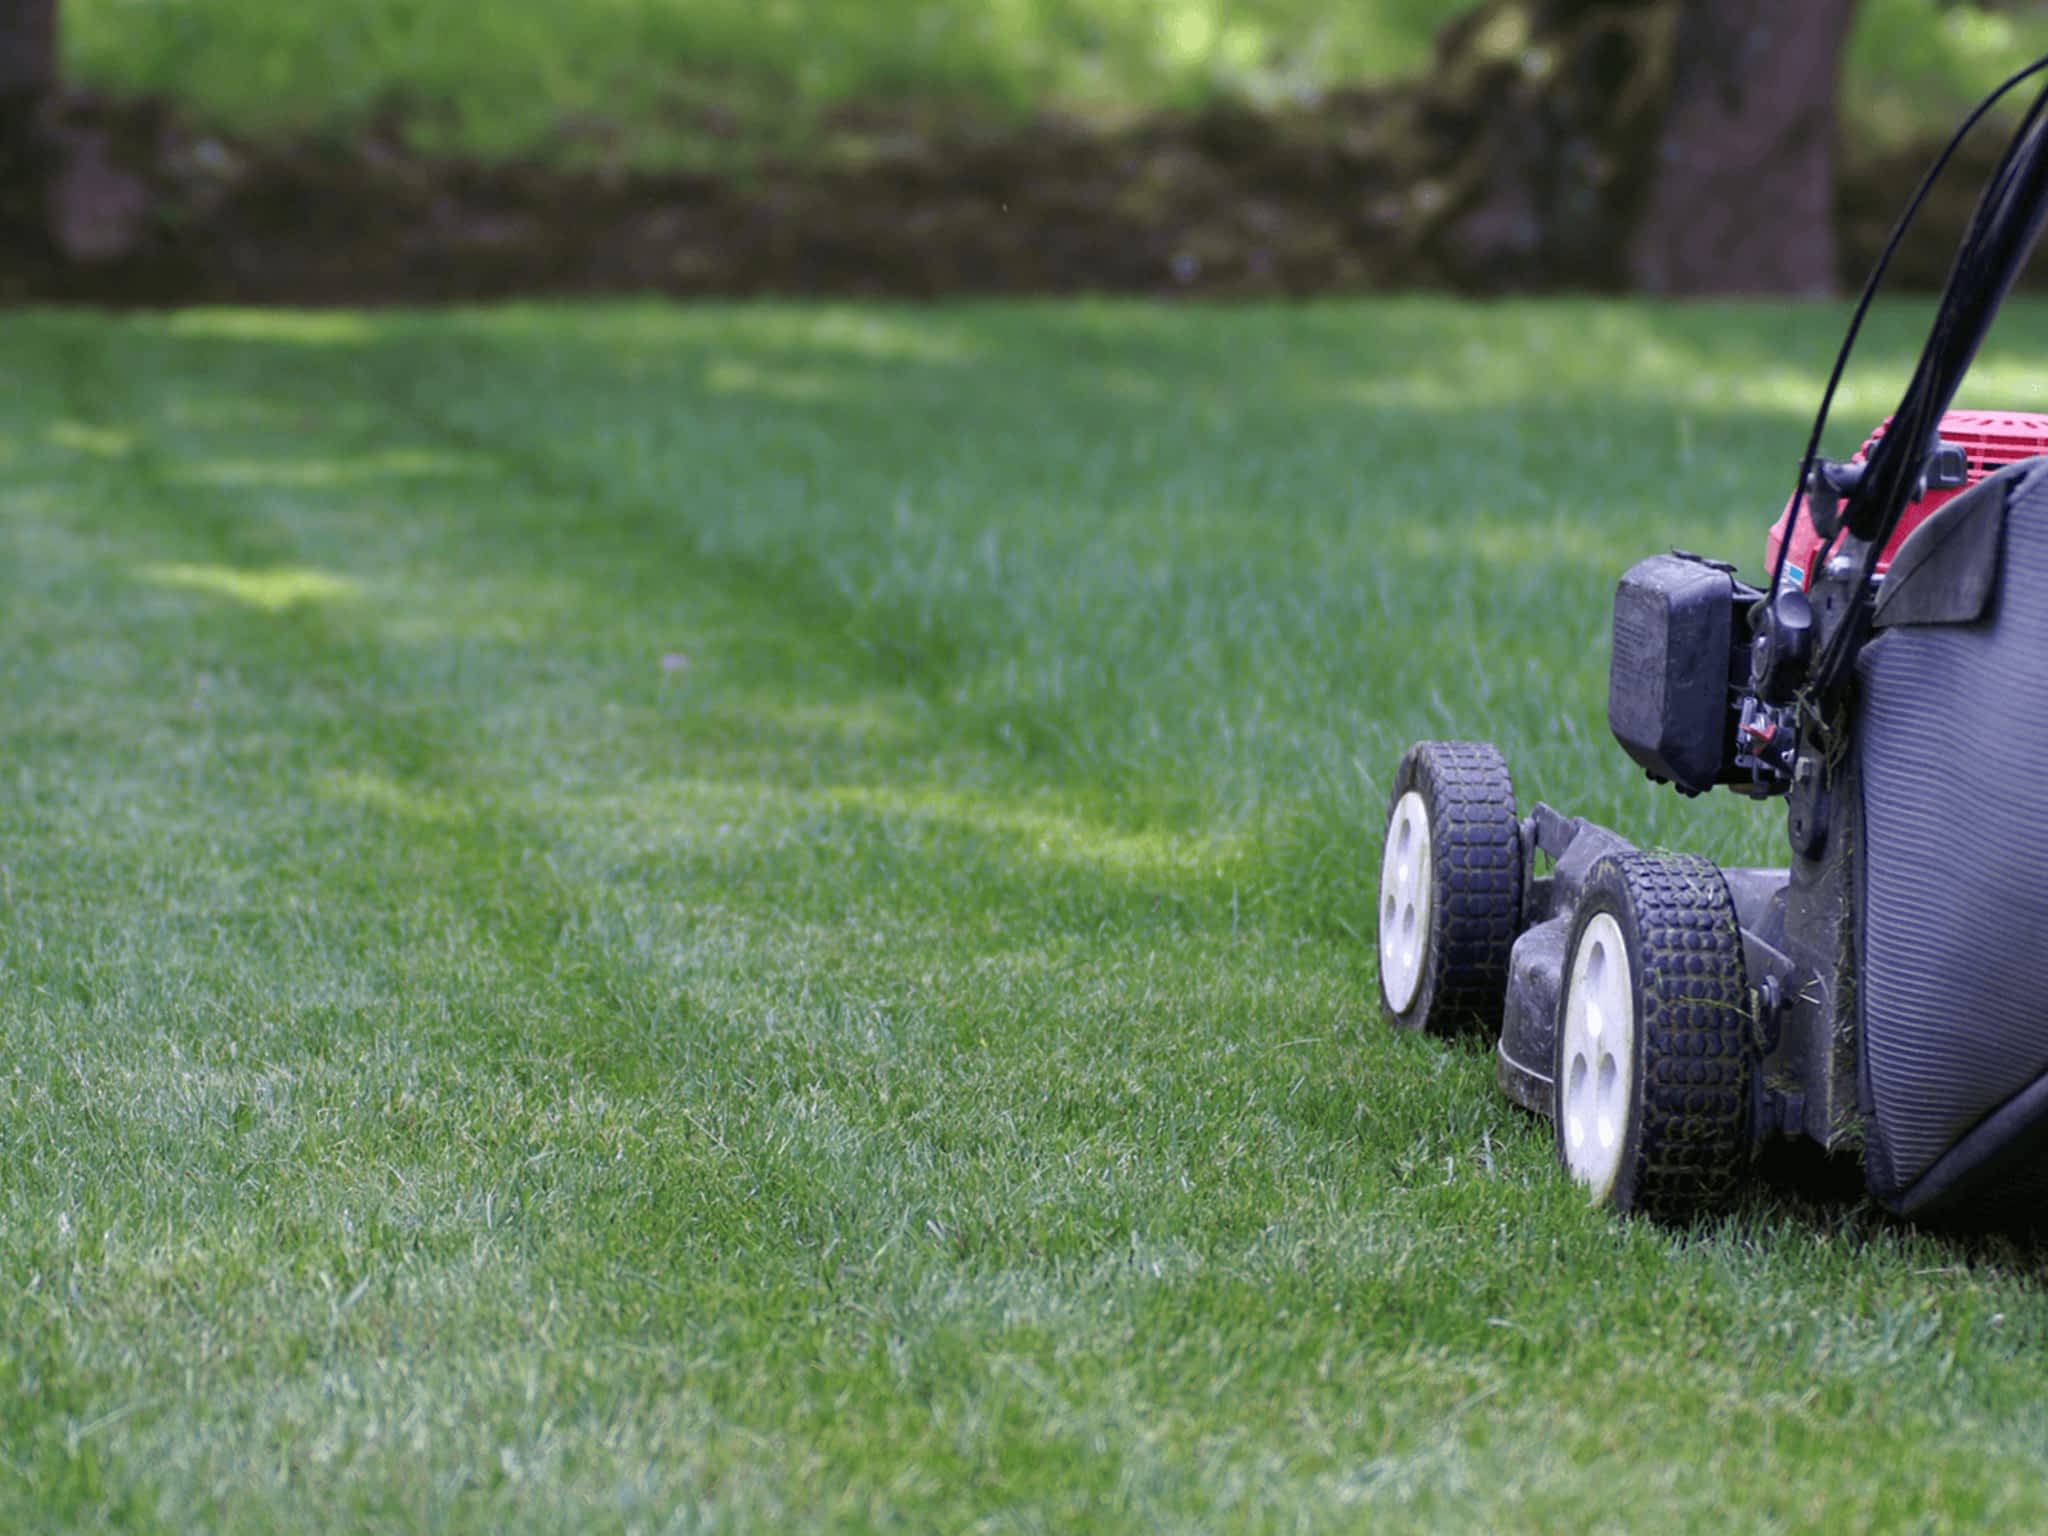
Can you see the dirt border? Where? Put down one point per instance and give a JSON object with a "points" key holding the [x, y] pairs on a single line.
{"points": [[148, 210]]}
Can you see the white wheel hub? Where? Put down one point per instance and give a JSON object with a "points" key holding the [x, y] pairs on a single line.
{"points": [[1597, 1082], [1406, 879]]}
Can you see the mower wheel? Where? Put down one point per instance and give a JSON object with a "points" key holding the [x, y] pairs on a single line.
{"points": [[1654, 1056], [1450, 894]]}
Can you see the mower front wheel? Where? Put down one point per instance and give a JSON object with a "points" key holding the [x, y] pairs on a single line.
{"points": [[1653, 1054], [1450, 892]]}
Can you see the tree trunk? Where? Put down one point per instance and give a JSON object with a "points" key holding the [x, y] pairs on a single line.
{"points": [[1742, 194], [28, 74], [1677, 145], [28, 48]]}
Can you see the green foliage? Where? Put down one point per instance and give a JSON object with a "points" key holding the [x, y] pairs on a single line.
{"points": [[1913, 65], [504, 77], [647, 918], [644, 78]]}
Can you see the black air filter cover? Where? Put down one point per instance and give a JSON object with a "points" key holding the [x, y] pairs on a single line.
{"points": [[1668, 699]]}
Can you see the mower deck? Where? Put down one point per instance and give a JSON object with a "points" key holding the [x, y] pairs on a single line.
{"points": [[1807, 1084]]}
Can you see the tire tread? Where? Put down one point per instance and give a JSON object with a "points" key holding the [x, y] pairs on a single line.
{"points": [[1476, 883], [1697, 1056]]}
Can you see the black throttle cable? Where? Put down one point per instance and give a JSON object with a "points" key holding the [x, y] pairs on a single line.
{"points": [[2003, 229], [1870, 286]]}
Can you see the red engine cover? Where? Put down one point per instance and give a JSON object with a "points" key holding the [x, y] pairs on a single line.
{"points": [[1990, 440]]}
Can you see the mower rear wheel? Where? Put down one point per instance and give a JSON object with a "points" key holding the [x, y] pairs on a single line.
{"points": [[1654, 1055], [1450, 894]]}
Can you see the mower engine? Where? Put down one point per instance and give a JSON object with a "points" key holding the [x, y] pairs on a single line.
{"points": [[1974, 444], [1682, 647]]}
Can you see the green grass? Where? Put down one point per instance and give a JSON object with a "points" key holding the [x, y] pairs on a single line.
{"points": [[641, 79], [652, 919]]}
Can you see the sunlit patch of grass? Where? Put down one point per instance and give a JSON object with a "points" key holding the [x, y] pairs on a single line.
{"points": [[299, 470], [737, 378], [377, 792], [273, 590], [577, 944], [100, 442], [332, 328], [1044, 834]]}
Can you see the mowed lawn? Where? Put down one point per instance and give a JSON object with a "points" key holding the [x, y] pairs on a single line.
{"points": [[760, 918]]}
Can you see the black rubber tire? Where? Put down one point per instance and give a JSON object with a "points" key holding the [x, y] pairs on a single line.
{"points": [[1688, 1141], [1475, 887]]}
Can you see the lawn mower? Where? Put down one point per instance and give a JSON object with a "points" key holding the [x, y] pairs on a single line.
{"points": [[1886, 991]]}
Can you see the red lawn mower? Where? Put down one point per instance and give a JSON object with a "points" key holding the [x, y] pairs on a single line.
{"points": [[1886, 990]]}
